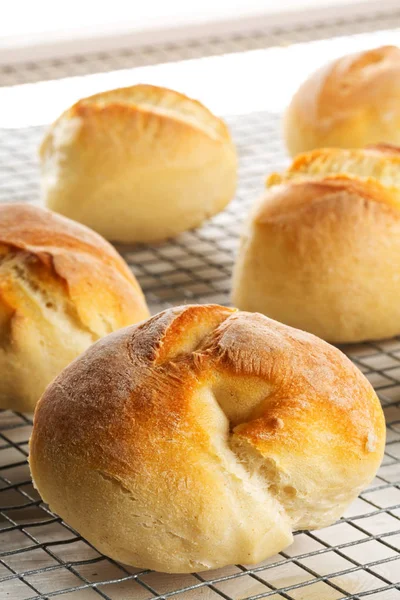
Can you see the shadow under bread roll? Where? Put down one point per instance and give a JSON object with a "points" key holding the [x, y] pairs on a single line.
{"points": [[62, 287], [206, 436]]}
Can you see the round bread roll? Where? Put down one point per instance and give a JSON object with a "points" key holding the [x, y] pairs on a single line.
{"points": [[138, 164], [206, 436], [61, 288], [349, 103], [321, 250]]}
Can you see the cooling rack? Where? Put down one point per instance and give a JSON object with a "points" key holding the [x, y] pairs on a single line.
{"points": [[41, 557]]}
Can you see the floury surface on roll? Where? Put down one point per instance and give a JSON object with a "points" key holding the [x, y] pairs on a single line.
{"points": [[138, 164], [62, 287], [205, 437], [349, 103], [321, 248]]}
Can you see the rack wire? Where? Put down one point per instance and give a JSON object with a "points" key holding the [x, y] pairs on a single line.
{"points": [[42, 557]]}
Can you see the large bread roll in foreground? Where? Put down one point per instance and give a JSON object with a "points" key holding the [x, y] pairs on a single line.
{"points": [[349, 103], [61, 288], [321, 250], [204, 437], [138, 164]]}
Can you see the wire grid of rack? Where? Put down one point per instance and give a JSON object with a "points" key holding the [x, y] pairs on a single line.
{"points": [[42, 557]]}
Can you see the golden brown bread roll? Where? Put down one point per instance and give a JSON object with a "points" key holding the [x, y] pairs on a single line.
{"points": [[138, 164], [321, 250], [206, 436], [349, 103], [61, 288]]}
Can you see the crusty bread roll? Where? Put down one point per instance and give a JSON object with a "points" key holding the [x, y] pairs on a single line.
{"points": [[138, 164], [349, 103], [61, 288], [206, 436], [321, 250]]}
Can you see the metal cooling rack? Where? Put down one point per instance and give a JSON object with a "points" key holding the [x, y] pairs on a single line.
{"points": [[127, 58], [41, 557]]}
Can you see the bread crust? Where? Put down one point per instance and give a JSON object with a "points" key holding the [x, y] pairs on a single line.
{"points": [[61, 287], [138, 164], [205, 437], [321, 249], [349, 103]]}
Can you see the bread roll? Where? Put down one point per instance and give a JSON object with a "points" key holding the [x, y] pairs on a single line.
{"points": [[61, 288], [321, 250], [206, 436], [138, 164], [349, 103]]}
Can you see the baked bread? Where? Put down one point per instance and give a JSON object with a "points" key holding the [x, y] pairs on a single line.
{"points": [[349, 103], [61, 288], [206, 436], [321, 250], [138, 164]]}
